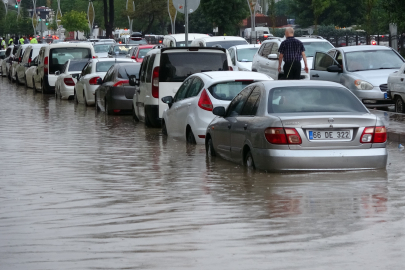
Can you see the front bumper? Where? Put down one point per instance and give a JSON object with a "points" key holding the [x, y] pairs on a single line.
{"points": [[285, 160]]}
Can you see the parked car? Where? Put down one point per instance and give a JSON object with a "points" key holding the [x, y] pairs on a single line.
{"points": [[179, 40], [30, 53], [8, 60], [102, 49], [87, 84], [266, 59], [138, 53], [53, 57], [7, 55], [363, 69], [114, 94], [30, 72], [67, 78], [218, 41], [190, 110], [162, 73], [119, 50], [396, 89], [16, 61], [2, 56], [298, 125], [242, 56]]}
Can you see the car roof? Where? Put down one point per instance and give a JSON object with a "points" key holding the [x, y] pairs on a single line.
{"points": [[208, 38], [181, 37], [364, 48], [127, 64], [246, 46], [113, 59], [298, 83], [234, 75], [146, 46], [70, 45]]}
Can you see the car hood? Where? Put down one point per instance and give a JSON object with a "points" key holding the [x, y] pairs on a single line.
{"points": [[375, 77], [245, 65]]}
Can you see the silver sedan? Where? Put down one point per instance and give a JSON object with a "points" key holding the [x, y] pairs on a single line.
{"points": [[298, 125]]}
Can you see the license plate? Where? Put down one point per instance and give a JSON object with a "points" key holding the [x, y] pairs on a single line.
{"points": [[338, 135], [385, 96]]}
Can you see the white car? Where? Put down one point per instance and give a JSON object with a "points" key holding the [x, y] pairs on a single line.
{"points": [[218, 41], [101, 49], [30, 72], [51, 58], [162, 73], [30, 53], [396, 89], [16, 62], [242, 56], [87, 84], [2, 56], [266, 59], [190, 110], [179, 40], [67, 78]]}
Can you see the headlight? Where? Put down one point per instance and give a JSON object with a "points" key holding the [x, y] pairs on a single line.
{"points": [[363, 85]]}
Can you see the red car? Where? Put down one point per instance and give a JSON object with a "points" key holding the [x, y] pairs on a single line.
{"points": [[139, 52]]}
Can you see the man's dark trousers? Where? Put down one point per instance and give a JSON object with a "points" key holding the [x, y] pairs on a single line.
{"points": [[295, 72]]}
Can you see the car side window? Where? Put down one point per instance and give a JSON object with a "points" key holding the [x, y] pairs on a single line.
{"points": [[143, 68], [237, 104], [181, 93], [149, 69], [339, 58], [252, 102], [267, 49], [274, 49], [195, 87], [322, 61], [108, 75], [84, 70], [232, 54]]}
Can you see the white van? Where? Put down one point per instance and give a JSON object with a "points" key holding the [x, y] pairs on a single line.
{"points": [[29, 54], [164, 70], [220, 41], [179, 40], [260, 32], [51, 58]]}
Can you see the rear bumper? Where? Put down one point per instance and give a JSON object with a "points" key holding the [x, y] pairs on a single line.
{"points": [[284, 160]]}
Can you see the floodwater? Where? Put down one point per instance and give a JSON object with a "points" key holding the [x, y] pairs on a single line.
{"points": [[86, 191]]}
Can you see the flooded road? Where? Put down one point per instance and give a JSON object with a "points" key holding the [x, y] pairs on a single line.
{"points": [[86, 191]]}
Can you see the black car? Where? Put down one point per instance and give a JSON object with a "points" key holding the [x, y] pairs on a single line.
{"points": [[114, 94], [119, 50]]}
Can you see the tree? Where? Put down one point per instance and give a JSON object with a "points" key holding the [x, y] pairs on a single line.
{"points": [[318, 7], [75, 21], [149, 13], [272, 13], [226, 15]]}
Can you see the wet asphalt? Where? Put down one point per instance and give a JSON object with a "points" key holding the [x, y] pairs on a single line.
{"points": [[80, 190]]}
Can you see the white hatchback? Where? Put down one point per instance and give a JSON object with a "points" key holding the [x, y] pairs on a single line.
{"points": [[190, 110], [67, 78], [242, 56], [87, 84]]}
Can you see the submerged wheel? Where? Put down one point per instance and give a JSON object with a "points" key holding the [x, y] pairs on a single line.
{"points": [[399, 105], [164, 129], [249, 162], [190, 137], [209, 148]]}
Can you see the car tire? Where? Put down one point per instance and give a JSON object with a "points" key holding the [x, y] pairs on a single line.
{"points": [[147, 122], [209, 148], [25, 82], [85, 100], [249, 162], [75, 97], [96, 104], [190, 137], [164, 129], [33, 86], [17, 81], [107, 109], [134, 117], [399, 105]]}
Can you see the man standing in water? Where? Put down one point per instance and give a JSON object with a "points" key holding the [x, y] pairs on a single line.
{"points": [[291, 51]]}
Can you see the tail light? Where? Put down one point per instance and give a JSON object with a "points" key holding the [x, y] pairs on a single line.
{"points": [[155, 82], [29, 60], [282, 136], [205, 102], [132, 57], [46, 65], [373, 42], [93, 81], [19, 59], [374, 135], [230, 68], [121, 83], [69, 81], [95, 56]]}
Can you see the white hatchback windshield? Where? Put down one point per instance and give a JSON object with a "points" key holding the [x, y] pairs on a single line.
{"points": [[246, 55], [372, 60]]}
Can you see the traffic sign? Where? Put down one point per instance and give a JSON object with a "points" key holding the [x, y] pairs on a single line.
{"points": [[192, 5]]}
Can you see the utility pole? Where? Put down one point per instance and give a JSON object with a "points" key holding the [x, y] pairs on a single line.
{"points": [[186, 21]]}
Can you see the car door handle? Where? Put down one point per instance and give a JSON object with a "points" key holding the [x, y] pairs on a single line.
{"points": [[315, 76], [402, 79], [229, 126], [245, 127]]}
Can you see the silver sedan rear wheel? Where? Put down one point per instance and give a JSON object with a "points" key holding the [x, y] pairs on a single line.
{"points": [[249, 160]]}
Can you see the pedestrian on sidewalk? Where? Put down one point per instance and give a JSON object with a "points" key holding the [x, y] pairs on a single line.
{"points": [[21, 40], [11, 41], [26, 40], [291, 51], [3, 43]]}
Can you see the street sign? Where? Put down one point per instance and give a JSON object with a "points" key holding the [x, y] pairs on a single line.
{"points": [[192, 5]]}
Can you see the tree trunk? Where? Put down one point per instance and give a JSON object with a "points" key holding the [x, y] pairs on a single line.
{"points": [[111, 15], [108, 29], [149, 25]]}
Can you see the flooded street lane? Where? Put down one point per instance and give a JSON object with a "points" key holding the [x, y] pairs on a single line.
{"points": [[80, 190]]}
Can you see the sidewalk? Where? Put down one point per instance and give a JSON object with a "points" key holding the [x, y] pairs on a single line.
{"points": [[395, 124]]}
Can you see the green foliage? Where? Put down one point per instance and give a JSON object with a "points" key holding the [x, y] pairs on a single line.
{"points": [[282, 8], [198, 22], [75, 21], [226, 15]]}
